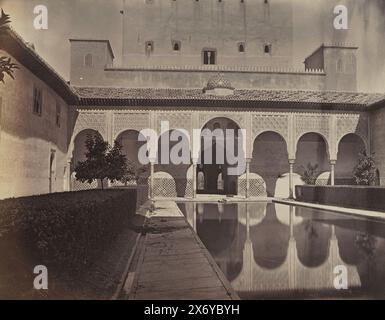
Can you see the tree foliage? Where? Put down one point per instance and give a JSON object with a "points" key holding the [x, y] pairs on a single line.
{"points": [[365, 172], [102, 161], [6, 66], [310, 174], [134, 172]]}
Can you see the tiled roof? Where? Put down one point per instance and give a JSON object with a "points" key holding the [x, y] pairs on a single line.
{"points": [[98, 94], [13, 43]]}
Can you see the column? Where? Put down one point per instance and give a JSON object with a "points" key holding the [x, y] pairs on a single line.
{"points": [[247, 222], [291, 171], [194, 179], [248, 178], [332, 172], [151, 186], [68, 176]]}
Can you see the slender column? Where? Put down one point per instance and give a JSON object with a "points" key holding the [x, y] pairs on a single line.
{"points": [[332, 172], [248, 178], [194, 180], [291, 189], [151, 187], [68, 176], [247, 222]]}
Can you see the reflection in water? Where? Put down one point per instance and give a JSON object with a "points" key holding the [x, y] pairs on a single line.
{"points": [[277, 251]]}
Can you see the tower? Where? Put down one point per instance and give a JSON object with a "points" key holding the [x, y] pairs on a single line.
{"points": [[339, 63], [193, 33]]}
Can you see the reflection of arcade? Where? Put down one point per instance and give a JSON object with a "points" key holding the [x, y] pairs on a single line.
{"points": [[213, 178], [270, 250]]}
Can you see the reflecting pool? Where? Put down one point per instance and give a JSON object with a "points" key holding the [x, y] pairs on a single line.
{"points": [[269, 250]]}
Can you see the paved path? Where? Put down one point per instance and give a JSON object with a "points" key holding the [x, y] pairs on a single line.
{"points": [[173, 263]]}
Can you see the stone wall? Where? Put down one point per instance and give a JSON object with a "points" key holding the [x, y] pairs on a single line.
{"points": [[27, 139], [211, 24], [377, 129]]}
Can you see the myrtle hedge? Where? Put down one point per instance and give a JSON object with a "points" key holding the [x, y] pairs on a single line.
{"points": [[67, 230]]}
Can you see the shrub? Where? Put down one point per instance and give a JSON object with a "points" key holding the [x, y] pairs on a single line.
{"points": [[310, 174], [65, 231], [365, 172]]}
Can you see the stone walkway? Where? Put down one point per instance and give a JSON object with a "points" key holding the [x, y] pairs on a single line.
{"points": [[173, 263]]}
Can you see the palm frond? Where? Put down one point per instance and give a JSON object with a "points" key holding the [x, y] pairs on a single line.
{"points": [[4, 19]]}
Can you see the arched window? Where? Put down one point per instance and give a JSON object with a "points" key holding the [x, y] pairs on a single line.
{"points": [[220, 182], [201, 181], [267, 48], [340, 66], [149, 47], [241, 47], [176, 45], [88, 60]]}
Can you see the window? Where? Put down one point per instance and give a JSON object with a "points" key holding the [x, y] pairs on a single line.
{"points": [[88, 60], [176, 46], [37, 101], [241, 47], [209, 57], [58, 114], [149, 47], [340, 66], [267, 48], [52, 171]]}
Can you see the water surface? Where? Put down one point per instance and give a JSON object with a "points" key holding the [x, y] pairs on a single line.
{"points": [[271, 250]]}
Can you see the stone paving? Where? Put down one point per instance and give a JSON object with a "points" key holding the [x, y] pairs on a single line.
{"points": [[173, 263]]}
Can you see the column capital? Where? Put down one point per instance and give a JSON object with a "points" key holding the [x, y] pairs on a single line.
{"points": [[291, 161], [333, 162], [248, 160]]}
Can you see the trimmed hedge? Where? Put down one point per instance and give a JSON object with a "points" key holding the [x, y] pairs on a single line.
{"points": [[358, 197], [66, 230]]}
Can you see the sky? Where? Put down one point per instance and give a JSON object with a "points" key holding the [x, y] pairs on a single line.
{"points": [[313, 25]]}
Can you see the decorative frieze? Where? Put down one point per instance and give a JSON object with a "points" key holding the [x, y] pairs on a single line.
{"points": [[271, 122], [91, 120], [130, 121]]}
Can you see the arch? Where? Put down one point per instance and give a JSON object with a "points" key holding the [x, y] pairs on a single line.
{"points": [[228, 117], [201, 181], [312, 148], [282, 185], [284, 138], [219, 162], [257, 185], [270, 158], [129, 139], [165, 163], [348, 149], [77, 154], [164, 185], [314, 133]]}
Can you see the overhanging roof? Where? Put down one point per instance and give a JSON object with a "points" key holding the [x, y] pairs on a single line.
{"points": [[100, 96], [13, 44]]}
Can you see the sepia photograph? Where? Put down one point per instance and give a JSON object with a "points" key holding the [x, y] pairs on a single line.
{"points": [[192, 150]]}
